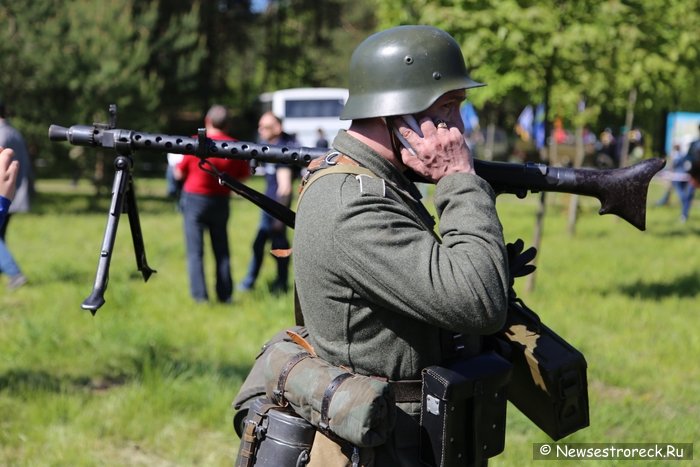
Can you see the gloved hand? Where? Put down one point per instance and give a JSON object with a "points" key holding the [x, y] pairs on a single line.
{"points": [[518, 261]]}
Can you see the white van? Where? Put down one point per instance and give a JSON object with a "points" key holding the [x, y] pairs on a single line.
{"points": [[306, 110]]}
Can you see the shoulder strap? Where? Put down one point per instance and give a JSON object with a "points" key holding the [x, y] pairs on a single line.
{"points": [[340, 167], [337, 163]]}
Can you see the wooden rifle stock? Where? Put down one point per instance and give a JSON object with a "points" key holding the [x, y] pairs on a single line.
{"points": [[622, 192]]}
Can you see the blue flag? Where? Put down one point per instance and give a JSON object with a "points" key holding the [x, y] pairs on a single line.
{"points": [[539, 127], [469, 117], [524, 125]]}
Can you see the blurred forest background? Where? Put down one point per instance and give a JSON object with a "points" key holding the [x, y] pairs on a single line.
{"points": [[163, 62]]}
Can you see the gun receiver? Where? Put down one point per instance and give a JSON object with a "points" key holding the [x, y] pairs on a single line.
{"points": [[622, 192]]}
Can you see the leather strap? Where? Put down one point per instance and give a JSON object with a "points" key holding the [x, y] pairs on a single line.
{"points": [[249, 440], [246, 452], [299, 340], [409, 390], [282, 380], [327, 397], [350, 169], [337, 158], [336, 162]]}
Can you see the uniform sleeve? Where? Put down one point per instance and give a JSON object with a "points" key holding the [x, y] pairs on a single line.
{"points": [[391, 259]]}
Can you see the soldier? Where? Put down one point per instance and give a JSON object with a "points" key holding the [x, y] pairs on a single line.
{"points": [[381, 293]]}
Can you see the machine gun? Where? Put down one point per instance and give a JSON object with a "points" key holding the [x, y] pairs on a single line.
{"points": [[622, 192]]}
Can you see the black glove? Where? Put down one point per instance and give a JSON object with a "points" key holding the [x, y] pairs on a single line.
{"points": [[518, 261]]}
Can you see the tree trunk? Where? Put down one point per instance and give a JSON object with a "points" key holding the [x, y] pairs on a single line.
{"points": [[541, 210], [539, 218], [573, 202], [490, 141], [537, 237], [629, 119]]}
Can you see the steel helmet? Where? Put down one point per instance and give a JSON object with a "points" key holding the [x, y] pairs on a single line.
{"points": [[404, 70]]}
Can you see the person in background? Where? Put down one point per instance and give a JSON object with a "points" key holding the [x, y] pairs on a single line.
{"points": [[205, 206], [8, 181], [11, 138], [278, 180], [608, 146], [690, 164], [321, 140], [682, 183], [692, 161], [173, 187], [673, 171]]}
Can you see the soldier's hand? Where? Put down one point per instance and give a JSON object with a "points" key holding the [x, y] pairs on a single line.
{"points": [[441, 149], [519, 260]]}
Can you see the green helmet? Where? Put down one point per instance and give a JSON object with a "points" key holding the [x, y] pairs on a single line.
{"points": [[404, 70]]}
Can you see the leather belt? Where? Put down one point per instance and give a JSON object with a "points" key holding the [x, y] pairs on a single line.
{"points": [[326, 402]]}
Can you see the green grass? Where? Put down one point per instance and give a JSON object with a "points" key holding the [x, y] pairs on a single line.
{"points": [[149, 380]]}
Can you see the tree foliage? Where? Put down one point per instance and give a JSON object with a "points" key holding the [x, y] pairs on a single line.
{"points": [[598, 51], [163, 61], [307, 42], [65, 61]]}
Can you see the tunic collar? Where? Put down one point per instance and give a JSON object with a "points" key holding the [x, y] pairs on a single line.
{"points": [[369, 158]]}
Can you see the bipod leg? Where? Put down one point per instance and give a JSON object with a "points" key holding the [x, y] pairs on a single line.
{"points": [[136, 235], [96, 299]]}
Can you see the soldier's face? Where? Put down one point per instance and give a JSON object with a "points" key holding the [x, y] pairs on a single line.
{"points": [[447, 108]]}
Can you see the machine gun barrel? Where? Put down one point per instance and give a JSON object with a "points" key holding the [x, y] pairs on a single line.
{"points": [[622, 192], [128, 141]]}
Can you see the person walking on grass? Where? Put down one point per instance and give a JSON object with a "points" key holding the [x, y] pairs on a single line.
{"points": [[11, 138], [205, 206]]}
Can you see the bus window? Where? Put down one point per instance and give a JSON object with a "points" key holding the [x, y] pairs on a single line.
{"points": [[313, 108]]}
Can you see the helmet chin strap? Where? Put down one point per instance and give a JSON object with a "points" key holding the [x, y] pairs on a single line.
{"points": [[398, 142], [395, 144]]}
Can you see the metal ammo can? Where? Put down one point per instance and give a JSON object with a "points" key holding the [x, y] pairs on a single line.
{"points": [[274, 436]]}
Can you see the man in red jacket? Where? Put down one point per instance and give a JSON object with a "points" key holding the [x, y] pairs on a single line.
{"points": [[205, 205]]}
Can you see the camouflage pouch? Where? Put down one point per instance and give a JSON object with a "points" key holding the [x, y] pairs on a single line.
{"points": [[358, 409], [254, 385]]}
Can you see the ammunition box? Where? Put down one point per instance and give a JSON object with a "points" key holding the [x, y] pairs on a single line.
{"points": [[548, 382]]}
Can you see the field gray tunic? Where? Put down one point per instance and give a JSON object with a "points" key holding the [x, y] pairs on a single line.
{"points": [[377, 288]]}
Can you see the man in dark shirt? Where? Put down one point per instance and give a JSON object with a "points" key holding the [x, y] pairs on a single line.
{"points": [[278, 186]]}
